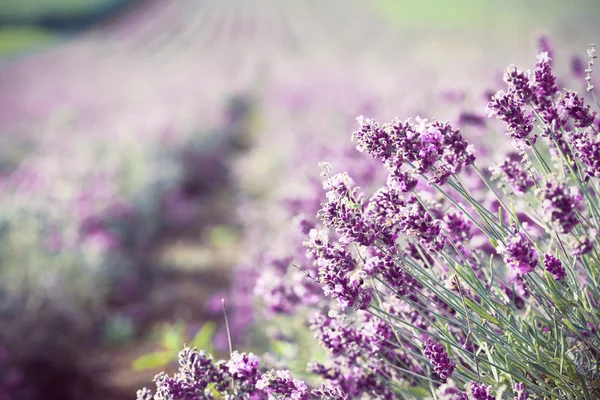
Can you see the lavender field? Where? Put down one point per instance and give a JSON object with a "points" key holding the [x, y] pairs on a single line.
{"points": [[263, 199]]}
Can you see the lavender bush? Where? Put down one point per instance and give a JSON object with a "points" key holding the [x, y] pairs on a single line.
{"points": [[453, 280]]}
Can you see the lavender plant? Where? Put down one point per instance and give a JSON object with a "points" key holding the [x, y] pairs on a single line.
{"points": [[452, 281]]}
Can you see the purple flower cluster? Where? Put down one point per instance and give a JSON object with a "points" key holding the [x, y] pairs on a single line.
{"points": [[438, 357], [243, 367], [337, 337], [335, 268], [402, 181], [407, 216], [520, 392], [353, 382], [559, 205], [433, 149], [385, 206], [459, 228], [196, 372], [586, 147], [331, 393], [508, 107], [448, 391], [559, 112], [284, 289], [572, 106], [525, 90], [513, 172], [399, 281], [584, 244], [343, 211], [418, 222], [281, 383], [478, 391], [199, 377], [545, 81], [519, 84], [362, 352], [340, 338], [520, 254]]}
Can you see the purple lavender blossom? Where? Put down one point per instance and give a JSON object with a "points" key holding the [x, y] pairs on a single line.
{"points": [[478, 391], [433, 148], [459, 228], [399, 281], [573, 106], [240, 375], [554, 267], [343, 211], [281, 383], [584, 245], [520, 392], [337, 337], [559, 205], [448, 391], [385, 206], [517, 177], [335, 266], [373, 139], [402, 181], [545, 81], [508, 108], [519, 84], [354, 381], [438, 357], [587, 149], [458, 153], [330, 393], [520, 254], [198, 366], [243, 367], [196, 372], [389, 209], [144, 394]]}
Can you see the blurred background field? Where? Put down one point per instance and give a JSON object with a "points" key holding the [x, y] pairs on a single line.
{"points": [[145, 144]]}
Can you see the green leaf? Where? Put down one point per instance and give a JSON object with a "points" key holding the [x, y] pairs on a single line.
{"points": [[283, 349], [214, 391], [172, 339], [14, 40], [222, 235], [491, 360], [570, 326], [203, 339], [481, 312], [417, 392], [153, 360]]}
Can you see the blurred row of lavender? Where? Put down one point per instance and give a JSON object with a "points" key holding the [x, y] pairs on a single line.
{"points": [[176, 116]]}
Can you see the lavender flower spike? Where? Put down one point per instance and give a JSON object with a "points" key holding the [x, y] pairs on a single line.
{"points": [[559, 205], [437, 356], [554, 267], [520, 254], [478, 391], [281, 383]]}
